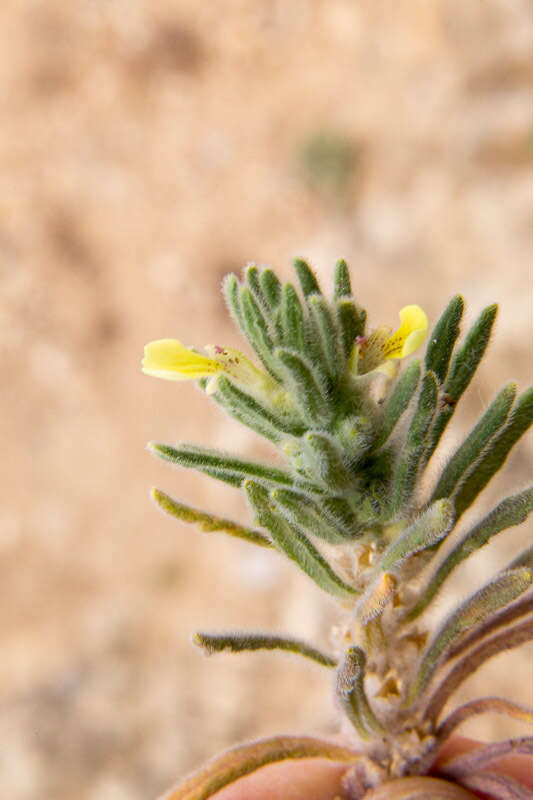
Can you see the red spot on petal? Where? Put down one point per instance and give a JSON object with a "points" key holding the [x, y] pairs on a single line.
{"points": [[218, 350], [361, 341]]}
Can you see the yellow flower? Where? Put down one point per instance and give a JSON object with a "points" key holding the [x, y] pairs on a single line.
{"points": [[410, 334], [171, 360], [374, 351]]}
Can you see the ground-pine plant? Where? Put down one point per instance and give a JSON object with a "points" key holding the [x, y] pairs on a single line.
{"points": [[356, 434]]}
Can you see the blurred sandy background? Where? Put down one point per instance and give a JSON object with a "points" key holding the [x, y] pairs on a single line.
{"points": [[146, 149]]}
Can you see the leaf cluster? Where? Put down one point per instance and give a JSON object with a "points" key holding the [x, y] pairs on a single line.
{"points": [[355, 449]]}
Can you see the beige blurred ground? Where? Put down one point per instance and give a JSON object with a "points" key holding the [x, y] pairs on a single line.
{"points": [[146, 149]]}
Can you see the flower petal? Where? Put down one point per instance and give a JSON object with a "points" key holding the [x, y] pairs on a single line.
{"points": [[369, 351], [235, 364], [240, 369], [170, 359], [410, 334]]}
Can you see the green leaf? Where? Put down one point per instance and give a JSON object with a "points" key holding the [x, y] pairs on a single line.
{"points": [[443, 338], [398, 401], [425, 411], [306, 385], [502, 620], [207, 522], [231, 291], [222, 465], [292, 319], [411, 455], [355, 434], [340, 513], [245, 759], [495, 595], [250, 642], [324, 458], [253, 279], [470, 353], [327, 335], [303, 513], [496, 453], [476, 442], [294, 544], [271, 287], [251, 274], [248, 410], [425, 532], [350, 691], [278, 324], [251, 320], [464, 365], [306, 276], [465, 667], [257, 331], [351, 321], [254, 315], [232, 478], [511, 511], [341, 280]]}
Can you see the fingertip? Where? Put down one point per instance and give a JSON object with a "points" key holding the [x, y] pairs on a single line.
{"points": [[311, 779]]}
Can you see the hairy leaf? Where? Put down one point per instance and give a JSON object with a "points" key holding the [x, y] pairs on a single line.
{"points": [[399, 400], [522, 607], [294, 544], [498, 593], [350, 691], [465, 667], [231, 289], [256, 415], [325, 460], [476, 442], [511, 511], [326, 334], [228, 468], [443, 338], [376, 597], [416, 441], [271, 287], [306, 515], [207, 522], [306, 276], [292, 319], [249, 642], [497, 786], [305, 383], [482, 757], [496, 453], [341, 280], [482, 705], [258, 332], [425, 532], [351, 321], [240, 761], [464, 364]]}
